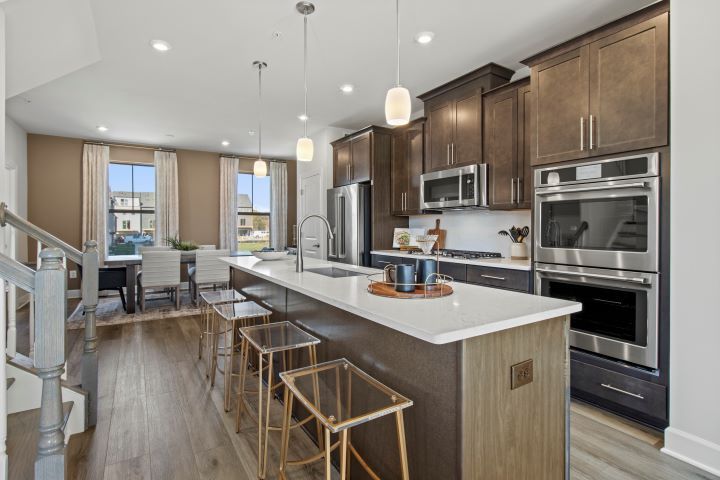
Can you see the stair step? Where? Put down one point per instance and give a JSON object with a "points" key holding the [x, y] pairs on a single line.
{"points": [[22, 436], [25, 363], [10, 382]]}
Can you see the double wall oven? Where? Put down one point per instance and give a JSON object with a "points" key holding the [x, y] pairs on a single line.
{"points": [[597, 242]]}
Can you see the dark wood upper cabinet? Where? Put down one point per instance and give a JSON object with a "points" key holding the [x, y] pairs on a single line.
{"points": [[341, 164], [561, 107], [365, 156], [407, 165], [361, 165], [604, 92], [453, 132], [506, 145], [629, 89]]}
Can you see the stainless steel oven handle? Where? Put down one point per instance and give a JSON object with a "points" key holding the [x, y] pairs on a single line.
{"points": [[595, 189], [640, 280], [620, 390]]}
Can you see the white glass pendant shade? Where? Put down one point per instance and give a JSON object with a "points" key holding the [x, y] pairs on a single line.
{"points": [[260, 168], [304, 150], [397, 106]]}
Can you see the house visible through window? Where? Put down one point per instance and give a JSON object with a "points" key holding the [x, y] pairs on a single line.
{"points": [[253, 211], [131, 207]]}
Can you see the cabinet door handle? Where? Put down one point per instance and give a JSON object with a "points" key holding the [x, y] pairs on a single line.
{"points": [[493, 277], [590, 130], [620, 390], [582, 133], [512, 190], [405, 203], [452, 155], [519, 195], [448, 154]]}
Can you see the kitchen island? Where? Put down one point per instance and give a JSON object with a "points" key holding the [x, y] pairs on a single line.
{"points": [[452, 356]]}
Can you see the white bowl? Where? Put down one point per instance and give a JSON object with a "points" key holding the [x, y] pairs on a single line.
{"points": [[270, 255]]}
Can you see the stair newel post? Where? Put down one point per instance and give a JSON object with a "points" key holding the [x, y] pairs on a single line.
{"points": [[49, 360], [90, 264]]}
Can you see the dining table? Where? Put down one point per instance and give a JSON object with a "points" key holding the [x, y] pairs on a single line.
{"points": [[131, 263]]}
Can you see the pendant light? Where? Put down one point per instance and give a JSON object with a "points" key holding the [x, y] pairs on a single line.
{"points": [[397, 101], [259, 167], [304, 150]]}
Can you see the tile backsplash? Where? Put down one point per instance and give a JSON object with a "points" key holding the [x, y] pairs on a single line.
{"points": [[476, 229]]}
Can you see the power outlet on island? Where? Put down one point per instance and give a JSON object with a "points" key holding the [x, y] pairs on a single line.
{"points": [[521, 374], [73, 273]]}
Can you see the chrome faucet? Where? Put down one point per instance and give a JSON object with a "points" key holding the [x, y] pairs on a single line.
{"points": [[299, 260]]}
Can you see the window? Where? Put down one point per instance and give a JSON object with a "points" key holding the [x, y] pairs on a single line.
{"points": [[131, 208], [253, 212]]}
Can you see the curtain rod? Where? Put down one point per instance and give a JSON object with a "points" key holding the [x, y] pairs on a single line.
{"points": [[245, 157], [124, 145]]}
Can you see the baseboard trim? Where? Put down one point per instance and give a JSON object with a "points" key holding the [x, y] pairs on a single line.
{"points": [[692, 449]]}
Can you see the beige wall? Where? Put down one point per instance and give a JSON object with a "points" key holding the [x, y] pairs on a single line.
{"points": [[55, 189]]}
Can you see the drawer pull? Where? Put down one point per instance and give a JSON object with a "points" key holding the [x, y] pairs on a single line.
{"points": [[620, 390], [383, 261], [492, 277]]}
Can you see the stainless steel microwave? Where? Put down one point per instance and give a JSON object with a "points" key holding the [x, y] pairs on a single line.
{"points": [[462, 187]]}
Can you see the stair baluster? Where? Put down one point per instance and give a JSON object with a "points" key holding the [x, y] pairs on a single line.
{"points": [[49, 360], [90, 264]]}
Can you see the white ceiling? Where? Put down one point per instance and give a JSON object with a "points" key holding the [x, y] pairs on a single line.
{"points": [[204, 90]]}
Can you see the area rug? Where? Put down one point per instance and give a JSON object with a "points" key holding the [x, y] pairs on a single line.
{"points": [[110, 311]]}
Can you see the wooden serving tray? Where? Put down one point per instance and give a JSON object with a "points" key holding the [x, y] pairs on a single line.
{"points": [[388, 290]]}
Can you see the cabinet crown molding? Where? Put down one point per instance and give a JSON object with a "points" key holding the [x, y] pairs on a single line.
{"points": [[491, 69]]}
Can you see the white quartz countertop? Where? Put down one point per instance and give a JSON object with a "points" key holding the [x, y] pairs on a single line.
{"points": [[484, 262], [470, 311]]}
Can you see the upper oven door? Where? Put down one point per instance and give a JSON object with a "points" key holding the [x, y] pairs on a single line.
{"points": [[610, 224]]}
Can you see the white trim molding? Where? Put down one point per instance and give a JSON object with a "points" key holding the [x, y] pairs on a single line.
{"points": [[693, 450]]}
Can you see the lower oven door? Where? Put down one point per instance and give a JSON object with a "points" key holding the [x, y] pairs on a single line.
{"points": [[619, 318]]}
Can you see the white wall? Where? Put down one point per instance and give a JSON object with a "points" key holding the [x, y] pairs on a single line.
{"points": [[15, 188], [694, 432], [475, 229]]}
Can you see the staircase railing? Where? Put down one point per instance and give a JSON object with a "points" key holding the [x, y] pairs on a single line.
{"points": [[49, 288], [90, 262]]}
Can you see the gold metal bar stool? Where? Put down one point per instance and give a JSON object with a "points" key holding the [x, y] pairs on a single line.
{"points": [[339, 381], [208, 300], [235, 315], [280, 337]]}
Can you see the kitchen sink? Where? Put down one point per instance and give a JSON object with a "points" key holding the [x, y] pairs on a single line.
{"points": [[335, 272]]}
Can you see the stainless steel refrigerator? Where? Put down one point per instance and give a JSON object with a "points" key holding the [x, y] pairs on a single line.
{"points": [[348, 211]]}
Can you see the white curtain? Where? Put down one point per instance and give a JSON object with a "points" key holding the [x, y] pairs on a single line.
{"points": [[96, 159], [166, 197], [228, 203], [278, 205]]}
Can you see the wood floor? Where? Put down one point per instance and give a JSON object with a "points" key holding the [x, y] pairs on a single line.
{"points": [[158, 419]]}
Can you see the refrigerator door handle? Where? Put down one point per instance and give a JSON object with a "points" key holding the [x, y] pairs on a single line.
{"points": [[340, 237], [332, 243]]}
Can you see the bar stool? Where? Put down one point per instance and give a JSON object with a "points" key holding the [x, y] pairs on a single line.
{"points": [[338, 382], [235, 315], [280, 337], [207, 301]]}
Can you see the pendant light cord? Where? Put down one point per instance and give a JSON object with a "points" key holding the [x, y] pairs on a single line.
{"points": [[305, 69], [397, 34], [260, 68]]}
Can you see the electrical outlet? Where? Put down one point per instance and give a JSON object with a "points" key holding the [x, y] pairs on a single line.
{"points": [[521, 374], [73, 273]]}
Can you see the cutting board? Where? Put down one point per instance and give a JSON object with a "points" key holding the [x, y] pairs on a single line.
{"points": [[440, 243]]}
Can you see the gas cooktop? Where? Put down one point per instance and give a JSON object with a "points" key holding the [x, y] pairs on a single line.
{"points": [[463, 254]]}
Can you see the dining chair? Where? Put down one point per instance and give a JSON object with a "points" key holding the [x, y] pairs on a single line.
{"points": [[154, 248], [206, 247], [160, 271], [209, 270]]}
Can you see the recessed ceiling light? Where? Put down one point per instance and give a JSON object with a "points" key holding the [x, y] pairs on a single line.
{"points": [[160, 45], [102, 128], [251, 132], [347, 88], [225, 143], [423, 38], [303, 117]]}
